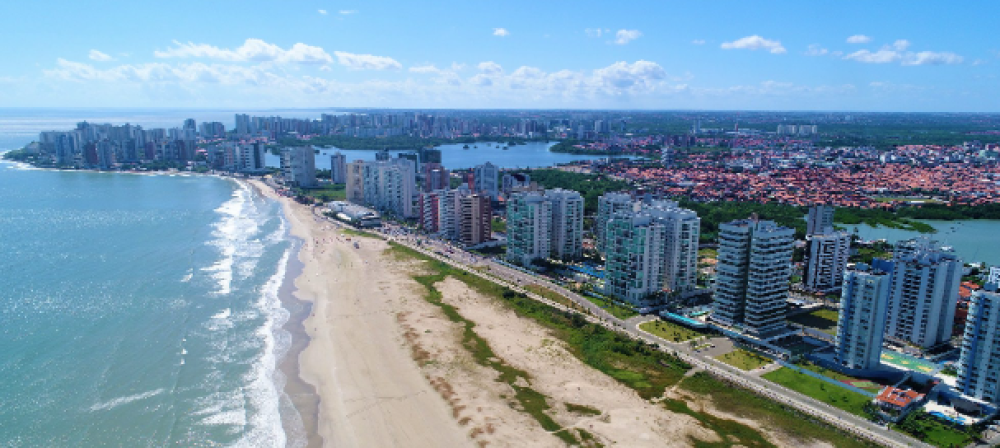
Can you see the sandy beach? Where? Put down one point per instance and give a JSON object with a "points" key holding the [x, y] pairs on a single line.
{"points": [[391, 370]]}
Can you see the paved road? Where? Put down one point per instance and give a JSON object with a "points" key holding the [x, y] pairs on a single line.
{"points": [[515, 279]]}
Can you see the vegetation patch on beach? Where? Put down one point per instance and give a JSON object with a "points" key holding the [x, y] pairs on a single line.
{"points": [[739, 401], [744, 359], [831, 394], [638, 365]]}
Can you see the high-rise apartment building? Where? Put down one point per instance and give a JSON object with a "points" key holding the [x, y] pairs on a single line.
{"points": [[863, 306], [529, 227], [474, 219], [567, 223], [979, 364], [356, 182], [820, 220], [338, 168], [390, 187], [826, 258], [298, 166], [486, 178], [755, 264], [925, 283], [512, 181], [651, 254], [608, 205], [436, 177], [429, 217]]}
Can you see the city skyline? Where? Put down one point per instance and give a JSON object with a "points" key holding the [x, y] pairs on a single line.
{"points": [[786, 56]]}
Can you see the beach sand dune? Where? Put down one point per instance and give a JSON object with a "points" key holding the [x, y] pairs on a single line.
{"points": [[372, 394]]}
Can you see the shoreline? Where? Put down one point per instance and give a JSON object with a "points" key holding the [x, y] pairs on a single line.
{"points": [[302, 396]]}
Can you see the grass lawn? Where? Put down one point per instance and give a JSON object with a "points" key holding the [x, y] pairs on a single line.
{"points": [[327, 193], [708, 253], [822, 319], [821, 390], [744, 359], [933, 431], [615, 308], [670, 331], [354, 232]]}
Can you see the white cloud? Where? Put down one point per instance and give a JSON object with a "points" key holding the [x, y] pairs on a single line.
{"points": [[490, 68], [933, 58], [816, 50], [754, 42], [99, 56], [322, 11], [425, 69], [623, 37], [897, 53], [883, 56], [254, 50], [859, 39], [347, 12], [501, 32], [596, 32], [366, 61], [698, 41]]}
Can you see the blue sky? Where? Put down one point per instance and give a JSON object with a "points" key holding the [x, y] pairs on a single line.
{"points": [[777, 55]]}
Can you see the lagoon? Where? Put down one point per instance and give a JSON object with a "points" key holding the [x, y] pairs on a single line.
{"points": [[973, 240], [454, 156]]}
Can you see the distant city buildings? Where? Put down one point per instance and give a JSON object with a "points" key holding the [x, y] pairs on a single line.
{"points": [[298, 166], [435, 176], [512, 181], [752, 274], [979, 364], [863, 306], [925, 281]]}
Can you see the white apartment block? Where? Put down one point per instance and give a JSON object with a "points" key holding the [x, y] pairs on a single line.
{"points": [[298, 166], [826, 258], [338, 168], [356, 182], [529, 227], [863, 306], [608, 205], [925, 285], [651, 254], [979, 364], [567, 223], [755, 264], [391, 187]]}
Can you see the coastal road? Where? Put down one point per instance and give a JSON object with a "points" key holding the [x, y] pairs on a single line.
{"points": [[516, 279]]}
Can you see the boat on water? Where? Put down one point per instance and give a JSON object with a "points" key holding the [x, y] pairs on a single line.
{"points": [[465, 147]]}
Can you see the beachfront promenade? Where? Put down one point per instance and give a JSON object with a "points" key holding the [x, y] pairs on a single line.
{"points": [[516, 280]]}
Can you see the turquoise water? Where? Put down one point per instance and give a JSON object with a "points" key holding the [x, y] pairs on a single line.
{"points": [[139, 311], [974, 241]]}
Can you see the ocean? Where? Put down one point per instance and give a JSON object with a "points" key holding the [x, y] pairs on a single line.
{"points": [[139, 310]]}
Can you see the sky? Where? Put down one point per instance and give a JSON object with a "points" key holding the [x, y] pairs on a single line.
{"points": [[552, 54]]}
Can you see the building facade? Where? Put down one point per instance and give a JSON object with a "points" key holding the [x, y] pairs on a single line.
{"points": [[338, 168], [356, 182], [826, 258], [390, 187], [979, 364], [486, 179], [925, 282], [529, 227], [861, 328], [298, 166], [475, 219], [652, 254], [608, 205], [752, 274], [567, 223], [819, 220]]}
